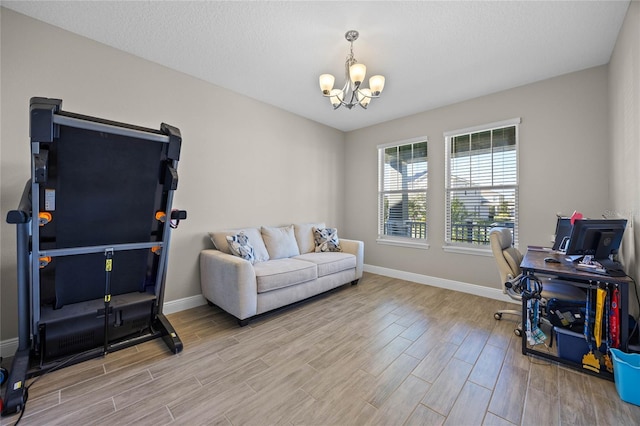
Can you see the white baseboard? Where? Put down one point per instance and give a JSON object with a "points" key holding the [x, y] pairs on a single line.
{"points": [[183, 304], [478, 290], [8, 347]]}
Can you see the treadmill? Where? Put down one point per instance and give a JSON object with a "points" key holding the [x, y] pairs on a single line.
{"points": [[93, 230]]}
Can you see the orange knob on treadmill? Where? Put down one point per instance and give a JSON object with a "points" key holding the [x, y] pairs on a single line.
{"points": [[161, 216], [44, 261], [44, 218]]}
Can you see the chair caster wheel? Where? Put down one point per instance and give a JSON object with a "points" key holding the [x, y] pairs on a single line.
{"points": [[517, 332], [497, 316]]}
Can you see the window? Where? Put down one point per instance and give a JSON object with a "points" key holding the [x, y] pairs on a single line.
{"points": [[402, 194], [482, 183]]}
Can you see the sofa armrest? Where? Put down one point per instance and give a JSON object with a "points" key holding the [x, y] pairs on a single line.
{"points": [[356, 248], [229, 282]]}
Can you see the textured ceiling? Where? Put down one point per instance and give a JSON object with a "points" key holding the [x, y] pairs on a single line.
{"points": [[431, 53]]}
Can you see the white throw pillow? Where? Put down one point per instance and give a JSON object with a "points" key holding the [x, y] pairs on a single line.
{"points": [[280, 241]]}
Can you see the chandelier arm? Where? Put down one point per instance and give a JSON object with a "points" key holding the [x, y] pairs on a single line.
{"points": [[353, 97], [347, 87], [345, 92], [363, 94]]}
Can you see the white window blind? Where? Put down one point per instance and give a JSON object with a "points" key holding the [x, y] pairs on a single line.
{"points": [[482, 183], [402, 195]]}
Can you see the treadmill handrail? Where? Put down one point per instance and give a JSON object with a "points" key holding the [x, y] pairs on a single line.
{"points": [[108, 128], [23, 213], [72, 251]]}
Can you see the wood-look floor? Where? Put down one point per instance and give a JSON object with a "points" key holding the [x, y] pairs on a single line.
{"points": [[384, 352]]}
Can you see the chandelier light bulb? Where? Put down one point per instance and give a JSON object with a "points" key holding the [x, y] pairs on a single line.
{"points": [[326, 83], [336, 97], [364, 97], [376, 84], [357, 73]]}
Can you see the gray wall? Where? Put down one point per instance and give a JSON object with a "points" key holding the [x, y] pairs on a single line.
{"points": [[624, 135], [563, 166], [243, 162]]}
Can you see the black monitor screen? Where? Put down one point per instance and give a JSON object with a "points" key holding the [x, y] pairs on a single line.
{"points": [[596, 237], [563, 232]]}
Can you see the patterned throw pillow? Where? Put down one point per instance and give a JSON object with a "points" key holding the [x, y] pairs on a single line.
{"points": [[239, 246], [326, 239]]}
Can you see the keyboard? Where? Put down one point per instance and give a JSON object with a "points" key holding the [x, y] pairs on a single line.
{"points": [[613, 269]]}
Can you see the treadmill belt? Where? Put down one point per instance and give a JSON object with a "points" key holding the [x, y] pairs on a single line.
{"points": [[105, 191], [106, 188]]}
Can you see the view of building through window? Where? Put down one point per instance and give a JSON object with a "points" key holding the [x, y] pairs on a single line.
{"points": [[403, 191], [482, 184]]}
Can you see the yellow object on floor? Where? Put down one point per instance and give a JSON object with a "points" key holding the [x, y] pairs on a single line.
{"points": [[590, 362]]}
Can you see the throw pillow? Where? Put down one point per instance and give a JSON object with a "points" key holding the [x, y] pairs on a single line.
{"points": [[326, 239], [305, 237], [280, 242], [219, 239], [255, 239], [239, 246]]}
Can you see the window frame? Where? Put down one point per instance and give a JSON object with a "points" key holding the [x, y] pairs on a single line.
{"points": [[471, 248], [382, 238]]}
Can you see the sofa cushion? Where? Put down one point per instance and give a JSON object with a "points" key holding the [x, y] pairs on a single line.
{"points": [[329, 262], [239, 246], [219, 239], [284, 272], [305, 237], [280, 241], [326, 239]]}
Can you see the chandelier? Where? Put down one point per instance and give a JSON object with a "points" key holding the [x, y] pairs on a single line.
{"points": [[352, 93]]}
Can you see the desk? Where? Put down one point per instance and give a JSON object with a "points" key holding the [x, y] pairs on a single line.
{"points": [[533, 263]]}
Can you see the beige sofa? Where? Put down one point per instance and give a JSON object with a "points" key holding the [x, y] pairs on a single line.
{"points": [[279, 266]]}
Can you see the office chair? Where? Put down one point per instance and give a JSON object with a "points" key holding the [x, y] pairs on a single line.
{"points": [[508, 259]]}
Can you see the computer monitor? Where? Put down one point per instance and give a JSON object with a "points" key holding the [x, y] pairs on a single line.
{"points": [[563, 232], [596, 237]]}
